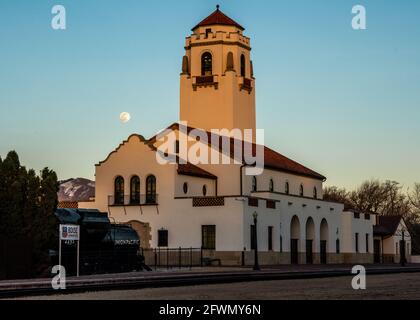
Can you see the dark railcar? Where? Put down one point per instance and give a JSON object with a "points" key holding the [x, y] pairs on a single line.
{"points": [[104, 247]]}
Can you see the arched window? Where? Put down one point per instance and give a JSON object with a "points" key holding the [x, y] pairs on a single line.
{"points": [[315, 193], [254, 184], [206, 64], [243, 65], [119, 190], [135, 190], [204, 190], [271, 186], [151, 189], [301, 190], [185, 188], [287, 188]]}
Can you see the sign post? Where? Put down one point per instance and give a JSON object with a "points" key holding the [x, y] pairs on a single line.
{"points": [[69, 232]]}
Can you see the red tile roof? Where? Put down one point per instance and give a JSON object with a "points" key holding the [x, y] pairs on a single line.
{"points": [[194, 171], [272, 159], [218, 18]]}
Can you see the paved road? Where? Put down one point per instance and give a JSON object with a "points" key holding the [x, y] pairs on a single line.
{"points": [[396, 286]]}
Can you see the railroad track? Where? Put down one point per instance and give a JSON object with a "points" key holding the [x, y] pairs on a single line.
{"points": [[183, 279]]}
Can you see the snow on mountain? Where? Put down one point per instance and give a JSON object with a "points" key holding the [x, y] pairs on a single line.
{"points": [[78, 189]]}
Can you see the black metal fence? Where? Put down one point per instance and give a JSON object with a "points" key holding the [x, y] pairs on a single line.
{"points": [[173, 257]]}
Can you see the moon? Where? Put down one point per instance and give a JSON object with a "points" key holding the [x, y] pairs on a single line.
{"points": [[125, 117]]}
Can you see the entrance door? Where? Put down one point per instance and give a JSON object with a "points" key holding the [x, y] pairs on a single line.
{"points": [[323, 253], [377, 251], [294, 255], [309, 252]]}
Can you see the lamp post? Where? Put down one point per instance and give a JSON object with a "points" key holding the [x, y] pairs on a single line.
{"points": [[402, 249], [256, 265]]}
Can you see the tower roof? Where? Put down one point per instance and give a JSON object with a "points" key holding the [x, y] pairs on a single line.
{"points": [[218, 18]]}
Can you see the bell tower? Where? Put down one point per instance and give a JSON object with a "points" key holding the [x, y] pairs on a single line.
{"points": [[217, 81]]}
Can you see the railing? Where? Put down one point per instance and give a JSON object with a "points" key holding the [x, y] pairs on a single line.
{"points": [[253, 202], [246, 84], [173, 257], [204, 81], [134, 200]]}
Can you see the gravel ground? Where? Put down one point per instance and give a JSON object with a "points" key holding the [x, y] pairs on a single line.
{"points": [[396, 286]]}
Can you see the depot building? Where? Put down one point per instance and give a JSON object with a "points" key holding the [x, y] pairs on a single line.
{"points": [[214, 207]]}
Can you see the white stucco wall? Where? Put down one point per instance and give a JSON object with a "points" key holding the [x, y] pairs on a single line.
{"points": [[350, 226]]}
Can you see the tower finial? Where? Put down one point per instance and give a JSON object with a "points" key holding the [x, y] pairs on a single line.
{"points": [[217, 7]]}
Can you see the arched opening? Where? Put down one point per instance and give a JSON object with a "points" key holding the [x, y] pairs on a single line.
{"points": [[206, 64], [144, 232], [204, 190], [294, 240], [324, 241], [151, 190], [135, 190], [243, 65], [315, 193], [271, 186], [119, 190], [254, 184], [185, 188], [301, 193], [310, 237], [287, 188]]}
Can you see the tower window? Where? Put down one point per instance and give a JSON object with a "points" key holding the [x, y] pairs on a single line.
{"points": [[271, 186], [204, 190], [208, 31], [301, 190], [243, 67], [185, 187], [315, 193], [206, 64], [287, 188]]}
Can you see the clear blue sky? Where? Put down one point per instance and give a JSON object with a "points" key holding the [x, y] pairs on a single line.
{"points": [[345, 103]]}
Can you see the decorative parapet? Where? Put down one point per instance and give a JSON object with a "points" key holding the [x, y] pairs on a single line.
{"points": [[209, 202], [205, 81]]}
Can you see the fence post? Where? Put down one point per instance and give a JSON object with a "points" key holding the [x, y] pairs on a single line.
{"points": [[180, 261], [191, 259], [155, 254]]}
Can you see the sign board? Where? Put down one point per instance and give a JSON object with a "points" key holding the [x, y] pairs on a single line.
{"points": [[69, 232]]}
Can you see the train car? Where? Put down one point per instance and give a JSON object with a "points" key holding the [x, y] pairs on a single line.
{"points": [[104, 247]]}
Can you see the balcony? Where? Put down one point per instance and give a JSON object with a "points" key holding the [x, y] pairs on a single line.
{"points": [[127, 200], [245, 84], [205, 81]]}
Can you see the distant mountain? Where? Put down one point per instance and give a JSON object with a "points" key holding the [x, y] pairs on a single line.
{"points": [[76, 190]]}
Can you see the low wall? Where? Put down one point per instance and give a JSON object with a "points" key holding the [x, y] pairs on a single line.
{"points": [[238, 258]]}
